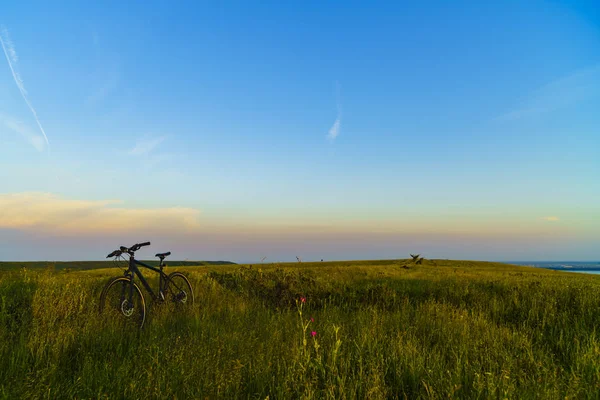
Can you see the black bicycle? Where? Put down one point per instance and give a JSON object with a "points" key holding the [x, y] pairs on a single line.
{"points": [[123, 299]]}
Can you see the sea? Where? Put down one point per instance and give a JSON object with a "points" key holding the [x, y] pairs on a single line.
{"points": [[586, 267]]}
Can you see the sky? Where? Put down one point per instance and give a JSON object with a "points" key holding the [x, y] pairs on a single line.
{"points": [[323, 130]]}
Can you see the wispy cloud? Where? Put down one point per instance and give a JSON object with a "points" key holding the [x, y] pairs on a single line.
{"points": [[50, 213], [335, 129], [145, 146], [551, 219], [563, 92], [12, 58], [35, 139]]}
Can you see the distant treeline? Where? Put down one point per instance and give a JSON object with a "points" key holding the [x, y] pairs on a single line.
{"points": [[87, 265]]}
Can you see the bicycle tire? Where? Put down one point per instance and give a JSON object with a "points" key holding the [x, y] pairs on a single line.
{"points": [[175, 289], [119, 307]]}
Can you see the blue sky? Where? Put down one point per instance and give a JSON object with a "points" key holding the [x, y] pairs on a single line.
{"points": [[341, 130]]}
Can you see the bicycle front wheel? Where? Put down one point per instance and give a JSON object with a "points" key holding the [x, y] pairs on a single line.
{"points": [[178, 289], [123, 304]]}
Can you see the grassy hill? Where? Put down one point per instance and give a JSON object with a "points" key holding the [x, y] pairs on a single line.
{"points": [[382, 329]]}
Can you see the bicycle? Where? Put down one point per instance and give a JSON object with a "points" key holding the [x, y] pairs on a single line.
{"points": [[126, 302]]}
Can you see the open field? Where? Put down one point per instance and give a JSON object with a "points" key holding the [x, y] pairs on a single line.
{"points": [[442, 329]]}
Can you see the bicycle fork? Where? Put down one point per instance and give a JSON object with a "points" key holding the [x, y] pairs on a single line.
{"points": [[127, 298]]}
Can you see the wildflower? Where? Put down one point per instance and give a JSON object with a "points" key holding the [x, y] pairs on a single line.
{"points": [[303, 299], [313, 333], [312, 319]]}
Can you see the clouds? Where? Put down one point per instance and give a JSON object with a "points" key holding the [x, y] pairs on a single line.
{"points": [[147, 152], [551, 219], [563, 92], [12, 59], [53, 214], [34, 138], [58, 222], [335, 129]]}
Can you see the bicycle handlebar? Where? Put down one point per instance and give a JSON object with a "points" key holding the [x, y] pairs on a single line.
{"points": [[114, 254], [137, 246], [130, 250]]}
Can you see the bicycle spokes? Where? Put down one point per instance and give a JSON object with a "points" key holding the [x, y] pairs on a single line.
{"points": [[122, 302]]}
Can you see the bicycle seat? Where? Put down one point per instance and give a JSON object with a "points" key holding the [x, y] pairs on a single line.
{"points": [[163, 255]]}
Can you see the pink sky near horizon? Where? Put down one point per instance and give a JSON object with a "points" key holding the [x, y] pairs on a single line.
{"points": [[34, 225]]}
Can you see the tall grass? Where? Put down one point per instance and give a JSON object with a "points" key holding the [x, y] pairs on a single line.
{"points": [[438, 330]]}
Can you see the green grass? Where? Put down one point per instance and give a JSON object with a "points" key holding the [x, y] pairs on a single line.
{"points": [[442, 329]]}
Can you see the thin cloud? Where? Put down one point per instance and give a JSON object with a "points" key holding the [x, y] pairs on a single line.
{"points": [[551, 219], [563, 92], [145, 146], [50, 213], [12, 58], [335, 129], [35, 139]]}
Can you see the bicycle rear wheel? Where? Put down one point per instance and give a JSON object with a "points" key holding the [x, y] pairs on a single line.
{"points": [[116, 305], [178, 289]]}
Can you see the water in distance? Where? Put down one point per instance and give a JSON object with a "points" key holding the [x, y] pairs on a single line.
{"points": [[588, 267]]}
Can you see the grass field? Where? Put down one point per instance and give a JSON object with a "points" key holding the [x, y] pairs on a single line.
{"points": [[444, 329]]}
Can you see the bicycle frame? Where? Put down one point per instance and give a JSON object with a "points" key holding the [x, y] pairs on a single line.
{"points": [[134, 270]]}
